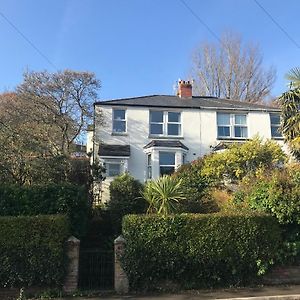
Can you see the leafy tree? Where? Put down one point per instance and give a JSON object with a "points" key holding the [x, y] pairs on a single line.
{"points": [[231, 69], [40, 123], [290, 116], [240, 160], [66, 98]]}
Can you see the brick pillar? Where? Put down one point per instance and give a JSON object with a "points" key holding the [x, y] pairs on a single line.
{"points": [[71, 280], [121, 280]]}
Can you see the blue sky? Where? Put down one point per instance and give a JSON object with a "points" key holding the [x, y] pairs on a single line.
{"points": [[137, 47]]}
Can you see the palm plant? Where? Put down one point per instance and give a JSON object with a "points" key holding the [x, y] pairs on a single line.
{"points": [[290, 116], [163, 195], [294, 77]]}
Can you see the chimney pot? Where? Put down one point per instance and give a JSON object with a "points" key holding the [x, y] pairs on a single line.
{"points": [[185, 89]]}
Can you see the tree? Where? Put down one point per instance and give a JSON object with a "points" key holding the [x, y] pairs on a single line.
{"points": [[66, 99], [40, 123], [25, 146], [231, 69], [240, 160], [290, 116]]}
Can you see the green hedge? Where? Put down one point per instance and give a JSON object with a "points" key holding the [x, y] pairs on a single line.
{"points": [[47, 199], [195, 251], [32, 250]]}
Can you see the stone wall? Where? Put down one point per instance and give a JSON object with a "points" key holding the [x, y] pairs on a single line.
{"points": [[71, 280], [283, 275]]}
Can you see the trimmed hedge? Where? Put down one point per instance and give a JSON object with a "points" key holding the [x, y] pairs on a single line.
{"points": [[32, 250], [47, 199], [195, 251]]}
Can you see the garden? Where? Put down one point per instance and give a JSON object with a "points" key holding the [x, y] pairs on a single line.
{"points": [[223, 220]]}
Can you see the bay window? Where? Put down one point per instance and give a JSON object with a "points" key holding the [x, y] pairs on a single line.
{"points": [[149, 166], [166, 163]]}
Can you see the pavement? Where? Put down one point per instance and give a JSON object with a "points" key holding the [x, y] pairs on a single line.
{"points": [[291, 292]]}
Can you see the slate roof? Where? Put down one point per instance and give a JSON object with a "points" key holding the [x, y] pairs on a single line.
{"points": [[114, 150], [165, 143], [195, 102]]}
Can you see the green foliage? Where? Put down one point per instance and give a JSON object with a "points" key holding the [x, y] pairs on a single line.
{"points": [[196, 251], [101, 230], [240, 160], [290, 119], [195, 188], [46, 199], [125, 198], [32, 250], [163, 195], [277, 194]]}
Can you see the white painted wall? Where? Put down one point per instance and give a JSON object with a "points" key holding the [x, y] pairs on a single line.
{"points": [[89, 141], [199, 128]]}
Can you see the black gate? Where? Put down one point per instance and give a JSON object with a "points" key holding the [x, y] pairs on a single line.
{"points": [[96, 269]]}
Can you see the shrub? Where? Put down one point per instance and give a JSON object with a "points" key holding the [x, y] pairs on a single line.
{"points": [[32, 250], [125, 198], [195, 188], [197, 251], [163, 195], [277, 194], [46, 199], [240, 160]]}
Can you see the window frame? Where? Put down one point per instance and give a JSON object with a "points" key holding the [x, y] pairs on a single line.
{"points": [[107, 167], [119, 120], [165, 123], [275, 125], [157, 123], [149, 166], [160, 165], [232, 126]]}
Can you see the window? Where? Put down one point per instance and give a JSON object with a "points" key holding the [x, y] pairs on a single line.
{"points": [[113, 169], [157, 122], [275, 126], [149, 166], [165, 123], [174, 123], [119, 120], [166, 163], [232, 125]]}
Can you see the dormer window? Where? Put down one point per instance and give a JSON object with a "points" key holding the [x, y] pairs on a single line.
{"points": [[119, 121], [165, 123]]}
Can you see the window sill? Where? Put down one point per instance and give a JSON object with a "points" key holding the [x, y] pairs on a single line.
{"points": [[278, 138], [165, 137], [234, 139], [119, 133]]}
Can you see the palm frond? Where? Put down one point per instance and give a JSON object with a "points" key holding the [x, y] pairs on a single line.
{"points": [[294, 77]]}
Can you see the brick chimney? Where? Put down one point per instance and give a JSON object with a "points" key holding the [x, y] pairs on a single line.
{"points": [[185, 89]]}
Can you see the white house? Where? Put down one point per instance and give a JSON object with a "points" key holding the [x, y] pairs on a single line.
{"points": [[152, 135]]}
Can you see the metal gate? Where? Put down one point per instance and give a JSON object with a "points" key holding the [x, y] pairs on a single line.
{"points": [[96, 269]]}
